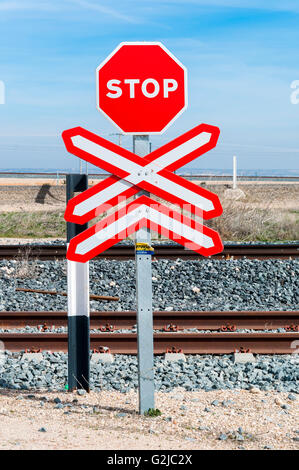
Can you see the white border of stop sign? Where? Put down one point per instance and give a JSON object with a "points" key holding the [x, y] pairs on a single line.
{"points": [[115, 90]]}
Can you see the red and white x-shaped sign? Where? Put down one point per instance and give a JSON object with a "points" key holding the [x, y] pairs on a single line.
{"points": [[131, 174]]}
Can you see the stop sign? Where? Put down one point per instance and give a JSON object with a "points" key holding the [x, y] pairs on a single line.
{"points": [[141, 87]]}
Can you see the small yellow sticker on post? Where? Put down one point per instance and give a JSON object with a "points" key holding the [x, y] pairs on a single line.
{"points": [[144, 249]]}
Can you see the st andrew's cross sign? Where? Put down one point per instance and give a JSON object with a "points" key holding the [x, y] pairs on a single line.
{"points": [[132, 174]]}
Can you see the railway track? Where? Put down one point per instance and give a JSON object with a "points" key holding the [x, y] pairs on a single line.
{"points": [[207, 177], [175, 320], [221, 341], [123, 252], [192, 343]]}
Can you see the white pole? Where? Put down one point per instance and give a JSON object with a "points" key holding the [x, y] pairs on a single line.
{"points": [[234, 172]]}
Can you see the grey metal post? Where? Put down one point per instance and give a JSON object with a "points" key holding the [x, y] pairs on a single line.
{"points": [[234, 172], [145, 342], [78, 301]]}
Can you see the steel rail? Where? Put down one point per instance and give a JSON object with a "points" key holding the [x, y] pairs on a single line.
{"points": [[210, 320], [193, 343], [257, 251], [207, 177]]}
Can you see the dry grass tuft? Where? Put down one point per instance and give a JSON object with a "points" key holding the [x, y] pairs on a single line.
{"points": [[25, 269], [266, 214], [242, 223]]}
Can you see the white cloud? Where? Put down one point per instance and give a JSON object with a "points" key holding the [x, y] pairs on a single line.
{"points": [[24, 5], [64, 5], [105, 10], [144, 7], [276, 5]]}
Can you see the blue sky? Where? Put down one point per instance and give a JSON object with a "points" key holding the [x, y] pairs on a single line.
{"points": [[242, 57]]}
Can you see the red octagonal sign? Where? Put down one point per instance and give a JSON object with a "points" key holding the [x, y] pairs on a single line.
{"points": [[141, 87]]}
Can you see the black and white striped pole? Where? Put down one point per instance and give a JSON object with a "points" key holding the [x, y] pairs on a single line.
{"points": [[78, 300]]}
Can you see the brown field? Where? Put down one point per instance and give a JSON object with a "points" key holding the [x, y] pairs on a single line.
{"points": [[268, 212]]}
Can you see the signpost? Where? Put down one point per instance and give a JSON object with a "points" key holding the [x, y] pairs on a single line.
{"points": [[145, 343], [234, 172], [142, 89]]}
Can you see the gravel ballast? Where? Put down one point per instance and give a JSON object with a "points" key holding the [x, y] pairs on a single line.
{"points": [[177, 285], [207, 402], [199, 372], [62, 329]]}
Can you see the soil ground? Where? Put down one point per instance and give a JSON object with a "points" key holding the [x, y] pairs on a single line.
{"points": [[115, 424]]}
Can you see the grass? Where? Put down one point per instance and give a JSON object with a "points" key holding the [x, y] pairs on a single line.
{"points": [[32, 225], [236, 224], [268, 213], [153, 412], [240, 223], [25, 269]]}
